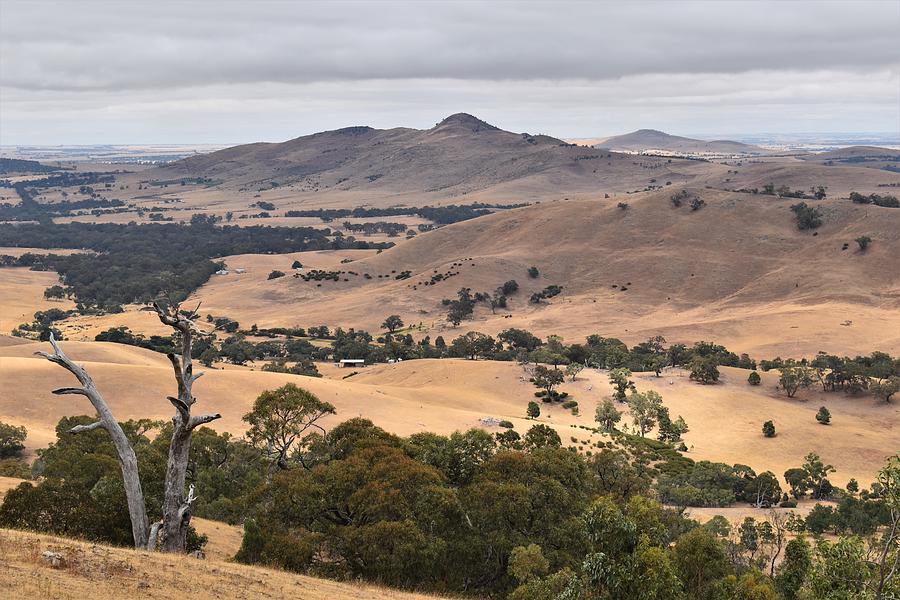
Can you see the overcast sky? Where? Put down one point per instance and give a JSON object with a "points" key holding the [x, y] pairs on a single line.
{"points": [[227, 71]]}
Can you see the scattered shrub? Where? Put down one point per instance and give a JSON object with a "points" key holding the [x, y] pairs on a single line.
{"points": [[808, 217]]}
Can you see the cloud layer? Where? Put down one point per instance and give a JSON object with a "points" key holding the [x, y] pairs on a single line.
{"points": [[238, 71]]}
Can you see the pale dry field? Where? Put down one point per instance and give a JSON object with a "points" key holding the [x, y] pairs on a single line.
{"points": [[224, 539], [135, 383], [726, 420], [736, 514], [20, 250], [106, 573], [22, 294]]}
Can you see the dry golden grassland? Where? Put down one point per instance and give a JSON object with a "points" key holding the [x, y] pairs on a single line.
{"points": [[109, 573]]}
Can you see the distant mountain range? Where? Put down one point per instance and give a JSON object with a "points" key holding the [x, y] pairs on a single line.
{"points": [[461, 152], [857, 154], [650, 139], [460, 155]]}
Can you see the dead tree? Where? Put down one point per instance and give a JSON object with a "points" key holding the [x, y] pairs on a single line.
{"points": [[170, 533], [177, 506], [137, 509]]}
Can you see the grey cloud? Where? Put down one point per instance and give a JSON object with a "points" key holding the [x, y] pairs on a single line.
{"points": [[228, 71], [164, 45], [679, 103]]}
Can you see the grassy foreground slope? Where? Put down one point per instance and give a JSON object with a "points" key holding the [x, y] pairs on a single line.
{"points": [[107, 572]]}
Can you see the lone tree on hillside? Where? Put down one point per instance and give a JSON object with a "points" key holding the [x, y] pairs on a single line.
{"points": [[607, 415], [644, 409], [823, 416], [573, 369], [280, 419], [534, 410], [768, 429], [704, 370], [669, 430], [55, 292], [619, 378], [509, 287], [460, 309], [169, 534], [754, 378], [12, 440], [795, 376], [886, 388], [863, 242], [392, 323], [808, 217], [546, 379]]}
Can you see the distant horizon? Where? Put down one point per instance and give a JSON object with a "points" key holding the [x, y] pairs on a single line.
{"points": [[888, 137]]}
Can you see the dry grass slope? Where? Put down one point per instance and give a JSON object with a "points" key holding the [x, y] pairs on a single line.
{"points": [[737, 272], [105, 573]]}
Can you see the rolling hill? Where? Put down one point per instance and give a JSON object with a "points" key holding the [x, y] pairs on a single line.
{"points": [[737, 271], [871, 157], [650, 140], [856, 153], [459, 156]]}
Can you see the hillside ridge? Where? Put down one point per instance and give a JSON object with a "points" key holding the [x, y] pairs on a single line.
{"points": [[653, 139]]}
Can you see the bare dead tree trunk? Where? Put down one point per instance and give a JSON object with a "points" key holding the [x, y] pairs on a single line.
{"points": [[137, 509], [177, 505]]}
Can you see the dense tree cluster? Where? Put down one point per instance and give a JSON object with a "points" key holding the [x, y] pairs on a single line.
{"points": [[808, 217], [877, 373], [471, 514], [876, 199], [548, 292], [442, 215], [28, 209], [371, 228], [135, 263], [12, 441], [18, 165], [43, 324], [123, 335]]}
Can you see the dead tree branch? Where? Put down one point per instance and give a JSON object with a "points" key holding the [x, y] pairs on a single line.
{"points": [[177, 507], [127, 460]]}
